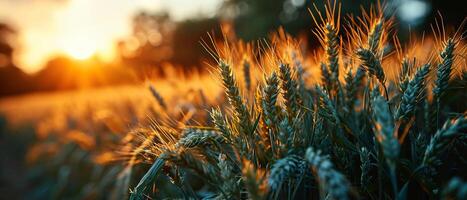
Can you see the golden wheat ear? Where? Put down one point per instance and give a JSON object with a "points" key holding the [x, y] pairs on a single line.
{"points": [[327, 32]]}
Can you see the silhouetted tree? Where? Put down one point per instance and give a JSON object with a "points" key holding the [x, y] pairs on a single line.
{"points": [[12, 79], [157, 40]]}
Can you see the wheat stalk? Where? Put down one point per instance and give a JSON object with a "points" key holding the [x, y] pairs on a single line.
{"points": [[157, 96], [384, 129], [187, 158], [247, 75], [325, 76], [148, 179], [254, 181]]}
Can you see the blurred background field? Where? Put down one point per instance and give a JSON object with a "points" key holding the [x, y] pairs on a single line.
{"points": [[72, 144], [75, 78]]}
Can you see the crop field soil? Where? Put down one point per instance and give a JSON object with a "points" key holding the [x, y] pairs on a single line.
{"points": [[361, 116]]}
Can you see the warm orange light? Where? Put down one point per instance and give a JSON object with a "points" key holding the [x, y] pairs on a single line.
{"points": [[81, 52]]}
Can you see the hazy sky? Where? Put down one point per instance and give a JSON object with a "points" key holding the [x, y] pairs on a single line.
{"points": [[80, 28]]}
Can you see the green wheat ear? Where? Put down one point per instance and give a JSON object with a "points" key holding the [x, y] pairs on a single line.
{"points": [[332, 52], [412, 93], [269, 101], [331, 182], [365, 167], [404, 75], [230, 180], [232, 90], [443, 74], [270, 110], [441, 139], [289, 167], [352, 84], [371, 64], [193, 137], [327, 108], [220, 123], [374, 37], [290, 91]]}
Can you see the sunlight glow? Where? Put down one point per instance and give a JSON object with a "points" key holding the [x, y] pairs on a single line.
{"points": [[80, 52], [83, 28]]}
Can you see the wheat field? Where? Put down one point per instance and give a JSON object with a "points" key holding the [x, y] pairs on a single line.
{"points": [[362, 116]]}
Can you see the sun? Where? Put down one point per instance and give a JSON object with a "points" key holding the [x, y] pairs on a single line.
{"points": [[79, 47], [80, 52]]}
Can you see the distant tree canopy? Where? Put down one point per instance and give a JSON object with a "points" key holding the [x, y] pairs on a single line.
{"points": [[255, 19], [12, 79], [157, 40], [6, 46]]}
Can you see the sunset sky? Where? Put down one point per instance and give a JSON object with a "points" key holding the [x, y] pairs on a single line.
{"points": [[82, 28]]}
